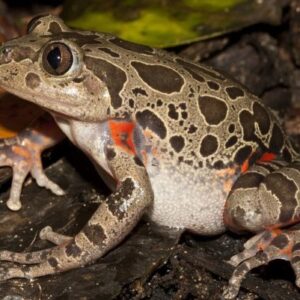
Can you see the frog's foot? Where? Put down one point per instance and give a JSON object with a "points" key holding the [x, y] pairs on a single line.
{"points": [[260, 250], [23, 154], [35, 264], [66, 255], [38, 256]]}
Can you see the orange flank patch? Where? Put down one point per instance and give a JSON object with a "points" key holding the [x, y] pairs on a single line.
{"points": [[226, 172], [245, 166], [122, 134], [268, 156], [227, 175]]}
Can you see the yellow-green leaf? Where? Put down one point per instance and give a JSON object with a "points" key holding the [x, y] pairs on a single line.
{"points": [[165, 23]]}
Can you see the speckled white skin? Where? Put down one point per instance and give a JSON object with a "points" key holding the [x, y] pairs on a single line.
{"points": [[181, 201]]}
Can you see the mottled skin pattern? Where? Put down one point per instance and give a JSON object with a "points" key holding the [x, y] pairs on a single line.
{"points": [[186, 146]]}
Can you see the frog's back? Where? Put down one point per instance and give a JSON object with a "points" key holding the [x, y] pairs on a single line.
{"points": [[196, 114]]}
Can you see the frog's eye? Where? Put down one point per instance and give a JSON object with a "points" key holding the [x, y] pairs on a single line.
{"points": [[57, 59]]}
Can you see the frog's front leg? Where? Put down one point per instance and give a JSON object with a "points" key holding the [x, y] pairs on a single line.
{"points": [[111, 222], [262, 200], [23, 154]]}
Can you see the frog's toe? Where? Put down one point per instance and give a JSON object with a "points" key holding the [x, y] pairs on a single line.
{"points": [[48, 234], [252, 246], [229, 293], [241, 271], [25, 257], [271, 245], [14, 203], [43, 181], [11, 272]]}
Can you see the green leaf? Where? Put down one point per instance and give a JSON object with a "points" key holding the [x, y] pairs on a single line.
{"points": [[165, 23]]}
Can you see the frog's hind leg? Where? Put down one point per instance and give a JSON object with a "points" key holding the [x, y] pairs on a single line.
{"points": [[264, 199], [26, 257], [110, 223], [37, 256]]}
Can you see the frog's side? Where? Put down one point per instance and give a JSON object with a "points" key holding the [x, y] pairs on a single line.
{"points": [[175, 137]]}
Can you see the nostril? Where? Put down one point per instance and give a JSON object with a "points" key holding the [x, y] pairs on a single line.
{"points": [[5, 54], [5, 50]]}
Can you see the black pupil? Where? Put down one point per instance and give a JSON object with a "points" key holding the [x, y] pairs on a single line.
{"points": [[54, 58]]}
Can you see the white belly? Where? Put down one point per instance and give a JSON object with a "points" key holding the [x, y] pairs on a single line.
{"points": [[188, 201]]}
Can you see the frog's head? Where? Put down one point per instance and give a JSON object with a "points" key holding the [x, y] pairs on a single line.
{"points": [[47, 67]]}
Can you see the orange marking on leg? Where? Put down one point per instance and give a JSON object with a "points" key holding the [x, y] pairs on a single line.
{"points": [[268, 156], [122, 134], [21, 151], [287, 250]]}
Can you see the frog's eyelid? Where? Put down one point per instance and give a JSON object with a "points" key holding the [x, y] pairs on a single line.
{"points": [[34, 22]]}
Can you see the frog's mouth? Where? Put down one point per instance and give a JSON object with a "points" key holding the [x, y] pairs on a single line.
{"points": [[57, 107]]}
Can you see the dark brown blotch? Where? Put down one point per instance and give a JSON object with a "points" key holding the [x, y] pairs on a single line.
{"points": [[277, 139], [35, 22], [54, 28], [231, 128], [197, 71], [296, 247], [214, 110], [231, 141], [280, 241], [131, 103], [209, 145], [95, 234], [32, 80], [192, 129], [285, 190], [213, 85], [234, 92], [110, 154], [247, 123], [243, 154], [148, 119], [160, 78], [159, 103], [20, 53], [122, 195], [72, 250], [248, 180], [111, 75], [109, 52], [287, 154], [261, 117], [184, 115], [132, 46], [295, 259], [79, 79], [138, 161], [172, 112], [80, 38], [139, 91], [52, 261], [177, 143]]}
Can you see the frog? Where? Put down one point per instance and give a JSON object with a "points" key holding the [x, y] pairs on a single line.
{"points": [[176, 141]]}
